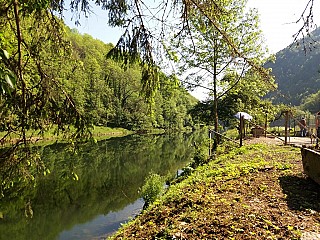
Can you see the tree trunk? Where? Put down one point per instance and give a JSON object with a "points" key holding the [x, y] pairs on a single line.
{"points": [[215, 97]]}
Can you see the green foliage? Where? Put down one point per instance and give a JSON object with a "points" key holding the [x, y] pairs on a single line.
{"points": [[232, 133], [311, 103], [296, 70], [57, 79], [201, 155], [247, 96], [112, 95], [152, 188], [208, 55], [208, 59], [87, 88], [7, 77]]}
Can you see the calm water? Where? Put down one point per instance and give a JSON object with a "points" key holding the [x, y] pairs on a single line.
{"points": [[88, 195]]}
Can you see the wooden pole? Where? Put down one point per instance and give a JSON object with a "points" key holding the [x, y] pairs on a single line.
{"points": [[266, 125], [244, 127], [210, 143], [286, 128], [294, 128], [241, 129]]}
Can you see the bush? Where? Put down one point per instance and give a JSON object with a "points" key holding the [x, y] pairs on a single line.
{"points": [[232, 133], [152, 189]]}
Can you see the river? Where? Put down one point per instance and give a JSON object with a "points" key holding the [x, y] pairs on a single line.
{"points": [[89, 195]]}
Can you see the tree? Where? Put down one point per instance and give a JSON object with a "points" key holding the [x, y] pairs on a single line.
{"points": [[36, 47], [246, 95], [311, 103], [34, 73], [205, 53]]}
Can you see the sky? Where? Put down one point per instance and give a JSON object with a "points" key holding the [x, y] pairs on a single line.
{"points": [[277, 21], [278, 17]]}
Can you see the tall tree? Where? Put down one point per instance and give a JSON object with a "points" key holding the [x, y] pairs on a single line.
{"points": [[246, 95], [206, 55], [36, 49]]}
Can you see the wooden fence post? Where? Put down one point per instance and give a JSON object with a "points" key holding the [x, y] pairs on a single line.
{"points": [[210, 142], [265, 126], [286, 128], [241, 128]]}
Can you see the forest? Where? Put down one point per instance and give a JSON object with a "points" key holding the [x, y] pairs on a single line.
{"points": [[296, 70], [111, 95], [100, 88]]}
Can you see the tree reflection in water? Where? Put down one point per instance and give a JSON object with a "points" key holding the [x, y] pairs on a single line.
{"points": [[101, 179]]}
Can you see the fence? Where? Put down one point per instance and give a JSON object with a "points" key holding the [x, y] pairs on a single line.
{"points": [[293, 126]]}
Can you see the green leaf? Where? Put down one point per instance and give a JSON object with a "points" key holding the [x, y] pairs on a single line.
{"points": [[75, 176], [8, 80], [12, 76], [4, 54]]}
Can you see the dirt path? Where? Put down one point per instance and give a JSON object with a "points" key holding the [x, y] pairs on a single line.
{"points": [[267, 140]]}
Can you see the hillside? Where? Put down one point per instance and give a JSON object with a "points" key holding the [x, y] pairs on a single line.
{"points": [[297, 70]]}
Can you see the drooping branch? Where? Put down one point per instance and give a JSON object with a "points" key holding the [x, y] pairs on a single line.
{"points": [[234, 48], [20, 74], [306, 18], [235, 84]]}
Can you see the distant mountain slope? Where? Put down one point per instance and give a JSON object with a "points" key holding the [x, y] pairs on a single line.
{"points": [[297, 71]]}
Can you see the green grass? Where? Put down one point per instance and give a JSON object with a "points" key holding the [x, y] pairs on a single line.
{"points": [[52, 135], [232, 197]]}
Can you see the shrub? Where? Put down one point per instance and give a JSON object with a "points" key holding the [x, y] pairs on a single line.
{"points": [[152, 189], [200, 156]]}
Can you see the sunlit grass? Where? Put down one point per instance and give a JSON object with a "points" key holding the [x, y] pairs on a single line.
{"points": [[229, 181], [52, 134]]}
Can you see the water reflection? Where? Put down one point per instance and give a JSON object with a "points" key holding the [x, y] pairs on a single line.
{"points": [[103, 225], [88, 195]]}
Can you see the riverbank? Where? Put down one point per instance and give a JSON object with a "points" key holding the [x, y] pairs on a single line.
{"points": [[258, 191], [98, 132]]}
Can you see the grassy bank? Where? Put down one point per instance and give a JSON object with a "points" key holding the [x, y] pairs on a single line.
{"points": [[258, 191], [102, 132], [49, 136]]}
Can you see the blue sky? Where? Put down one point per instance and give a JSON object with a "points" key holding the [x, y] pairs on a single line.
{"points": [[96, 25]]}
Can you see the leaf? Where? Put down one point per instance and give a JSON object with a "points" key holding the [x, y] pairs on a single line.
{"points": [[8, 80], [5, 54], [12, 77], [75, 176]]}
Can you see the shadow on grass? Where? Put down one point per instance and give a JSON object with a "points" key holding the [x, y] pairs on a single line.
{"points": [[302, 193]]}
